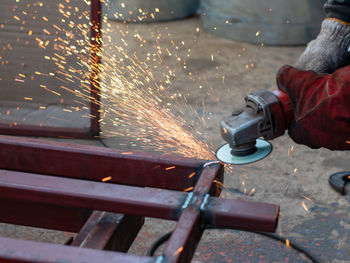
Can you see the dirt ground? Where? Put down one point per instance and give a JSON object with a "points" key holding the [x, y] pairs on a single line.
{"points": [[218, 74]]}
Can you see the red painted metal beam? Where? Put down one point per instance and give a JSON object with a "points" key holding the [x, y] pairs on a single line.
{"points": [[109, 231], [90, 195], [194, 210], [252, 216], [96, 163], [156, 203], [23, 251], [189, 229], [45, 131], [95, 66]]}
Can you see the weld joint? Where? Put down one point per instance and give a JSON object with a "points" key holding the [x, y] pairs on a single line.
{"points": [[159, 259], [204, 203], [210, 163], [187, 201]]}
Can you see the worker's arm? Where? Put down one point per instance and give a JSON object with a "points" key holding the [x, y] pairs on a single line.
{"points": [[321, 104], [330, 50]]}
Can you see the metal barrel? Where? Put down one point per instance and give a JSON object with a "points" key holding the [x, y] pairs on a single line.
{"points": [[272, 22], [148, 11]]}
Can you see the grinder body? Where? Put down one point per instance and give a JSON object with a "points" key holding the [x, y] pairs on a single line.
{"points": [[267, 114]]}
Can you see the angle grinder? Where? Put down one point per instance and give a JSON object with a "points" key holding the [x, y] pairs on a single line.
{"points": [[267, 114]]}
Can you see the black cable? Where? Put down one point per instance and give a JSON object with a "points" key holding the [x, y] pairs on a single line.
{"points": [[293, 244], [158, 243], [102, 142]]}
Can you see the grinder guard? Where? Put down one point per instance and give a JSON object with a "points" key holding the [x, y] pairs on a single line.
{"points": [[264, 116], [267, 114]]}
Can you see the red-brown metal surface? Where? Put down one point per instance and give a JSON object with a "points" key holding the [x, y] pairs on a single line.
{"points": [[95, 63], [90, 195], [109, 231], [96, 163], [95, 60], [44, 131], [252, 216], [156, 203], [189, 229], [56, 217], [184, 240], [23, 251], [104, 230]]}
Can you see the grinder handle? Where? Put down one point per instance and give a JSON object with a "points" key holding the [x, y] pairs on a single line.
{"points": [[287, 107]]}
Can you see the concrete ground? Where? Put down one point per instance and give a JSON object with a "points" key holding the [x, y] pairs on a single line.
{"points": [[218, 73]]}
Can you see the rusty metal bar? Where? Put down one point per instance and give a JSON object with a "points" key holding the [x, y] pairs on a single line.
{"points": [[201, 209], [95, 67], [23, 251], [90, 195], [157, 203], [252, 216], [33, 214], [96, 163], [109, 231], [184, 240], [189, 229], [44, 131], [193, 210]]}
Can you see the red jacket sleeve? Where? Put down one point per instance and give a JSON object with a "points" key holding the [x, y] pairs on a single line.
{"points": [[321, 105]]}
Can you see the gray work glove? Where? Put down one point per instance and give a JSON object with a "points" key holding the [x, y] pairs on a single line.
{"points": [[329, 51]]}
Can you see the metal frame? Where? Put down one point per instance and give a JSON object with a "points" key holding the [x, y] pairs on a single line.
{"points": [[95, 60], [65, 187]]}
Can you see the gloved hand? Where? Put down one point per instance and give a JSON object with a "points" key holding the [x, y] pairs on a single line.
{"points": [[330, 50], [321, 105]]}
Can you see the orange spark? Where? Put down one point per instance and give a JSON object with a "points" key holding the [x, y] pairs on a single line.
{"points": [[191, 175], [188, 189], [287, 243], [304, 206], [107, 179], [179, 250]]}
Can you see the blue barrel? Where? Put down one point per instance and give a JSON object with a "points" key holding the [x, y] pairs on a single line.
{"points": [[272, 22], [148, 11]]}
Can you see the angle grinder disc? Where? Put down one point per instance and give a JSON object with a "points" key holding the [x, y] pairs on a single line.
{"points": [[264, 148]]}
